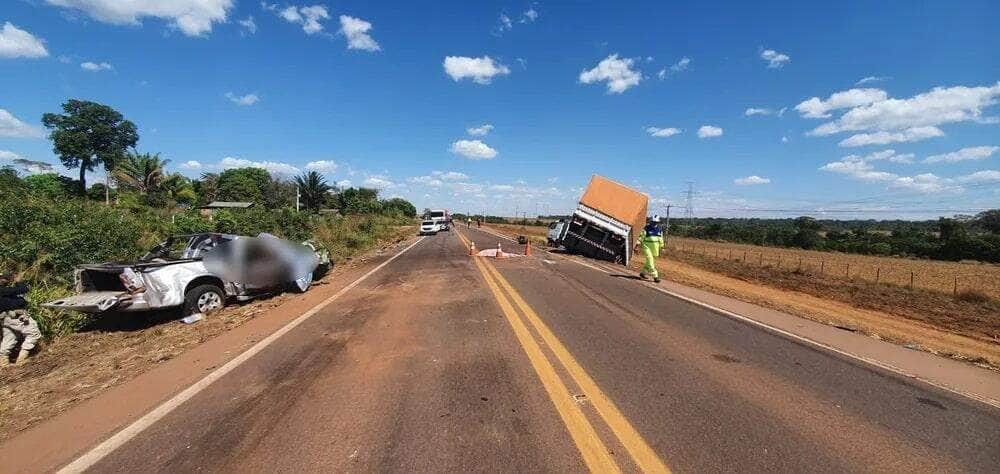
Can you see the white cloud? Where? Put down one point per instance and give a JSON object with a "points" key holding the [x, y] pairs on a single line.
{"points": [[378, 182], [662, 132], [617, 73], [192, 17], [271, 166], [479, 131], [983, 176], [242, 100], [426, 181], [96, 67], [883, 138], [871, 79], [480, 70], [11, 127], [757, 111], [818, 108], [30, 166], [322, 166], [8, 155], [860, 168], [356, 32], [709, 131], [965, 154], [17, 43], [191, 165], [529, 15], [784, 139], [309, 17], [344, 183], [473, 149], [249, 26], [774, 59], [935, 107], [505, 23], [449, 175], [679, 66], [751, 180]]}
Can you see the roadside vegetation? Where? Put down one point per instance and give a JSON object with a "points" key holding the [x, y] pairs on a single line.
{"points": [[50, 223]]}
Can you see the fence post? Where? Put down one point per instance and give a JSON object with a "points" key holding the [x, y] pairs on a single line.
{"points": [[730, 254], [878, 273], [822, 263], [847, 273], [762, 258], [799, 269], [954, 289], [911, 280], [744, 256], [779, 262]]}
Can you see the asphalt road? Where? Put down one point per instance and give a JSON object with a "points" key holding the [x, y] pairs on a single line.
{"points": [[445, 363]]}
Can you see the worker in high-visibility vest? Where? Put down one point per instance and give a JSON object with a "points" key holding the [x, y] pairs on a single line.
{"points": [[651, 240]]}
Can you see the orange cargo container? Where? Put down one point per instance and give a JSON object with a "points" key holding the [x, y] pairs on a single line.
{"points": [[618, 201], [606, 222]]}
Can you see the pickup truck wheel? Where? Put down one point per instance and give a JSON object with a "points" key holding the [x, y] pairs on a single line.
{"points": [[203, 299]]}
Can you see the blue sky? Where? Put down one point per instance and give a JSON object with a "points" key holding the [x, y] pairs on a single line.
{"points": [[650, 94]]}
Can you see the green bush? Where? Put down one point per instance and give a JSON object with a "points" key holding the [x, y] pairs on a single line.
{"points": [[52, 322]]}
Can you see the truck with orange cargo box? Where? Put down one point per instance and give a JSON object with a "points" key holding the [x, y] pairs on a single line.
{"points": [[605, 224]]}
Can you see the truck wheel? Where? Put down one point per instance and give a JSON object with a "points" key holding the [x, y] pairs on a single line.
{"points": [[203, 299]]}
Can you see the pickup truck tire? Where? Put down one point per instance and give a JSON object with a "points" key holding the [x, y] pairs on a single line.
{"points": [[204, 299]]}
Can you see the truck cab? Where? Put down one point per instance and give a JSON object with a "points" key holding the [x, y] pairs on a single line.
{"points": [[557, 230], [442, 217]]}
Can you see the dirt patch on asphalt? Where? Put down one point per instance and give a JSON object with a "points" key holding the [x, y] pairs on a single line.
{"points": [[116, 349]]}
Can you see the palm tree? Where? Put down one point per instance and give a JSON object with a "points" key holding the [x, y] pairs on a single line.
{"points": [[312, 189], [141, 171]]}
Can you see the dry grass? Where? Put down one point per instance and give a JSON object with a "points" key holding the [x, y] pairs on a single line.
{"points": [[933, 275]]}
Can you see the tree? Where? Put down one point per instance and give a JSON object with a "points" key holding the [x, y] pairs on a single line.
{"points": [[243, 184], [312, 189], [176, 189], [207, 187], [50, 185], [807, 233], [89, 134], [989, 220], [358, 201], [402, 207], [141, 171]]}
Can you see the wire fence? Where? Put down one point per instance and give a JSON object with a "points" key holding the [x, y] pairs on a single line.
{"points": [[944, 277]]}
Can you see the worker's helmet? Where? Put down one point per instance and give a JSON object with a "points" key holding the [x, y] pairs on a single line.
{"points": [[655, 218]]}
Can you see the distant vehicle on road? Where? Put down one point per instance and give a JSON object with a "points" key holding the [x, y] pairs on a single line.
{"points": [[605, 224], [442, 217], [429, 227]]}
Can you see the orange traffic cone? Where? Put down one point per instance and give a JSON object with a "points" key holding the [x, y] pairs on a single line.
{"points": [[472, 248], [527, 248], [499, 251]]}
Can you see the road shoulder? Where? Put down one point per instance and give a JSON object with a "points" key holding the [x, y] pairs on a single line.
{"points": [[58, 440]]}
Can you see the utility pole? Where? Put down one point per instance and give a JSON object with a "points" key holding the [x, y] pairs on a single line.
{"points": [[667, 224], [296, 199]]}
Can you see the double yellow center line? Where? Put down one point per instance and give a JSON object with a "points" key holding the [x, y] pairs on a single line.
{"points": [[595, 454]]}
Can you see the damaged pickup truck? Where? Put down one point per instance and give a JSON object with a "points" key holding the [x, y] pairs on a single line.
{"points": [[198, 272]]}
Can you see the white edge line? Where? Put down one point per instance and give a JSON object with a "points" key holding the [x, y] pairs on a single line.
{"points": [[100, 451], [877, 363]]}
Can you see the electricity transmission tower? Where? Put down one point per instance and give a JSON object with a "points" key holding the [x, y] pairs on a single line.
{"points": [[688, 207]]}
